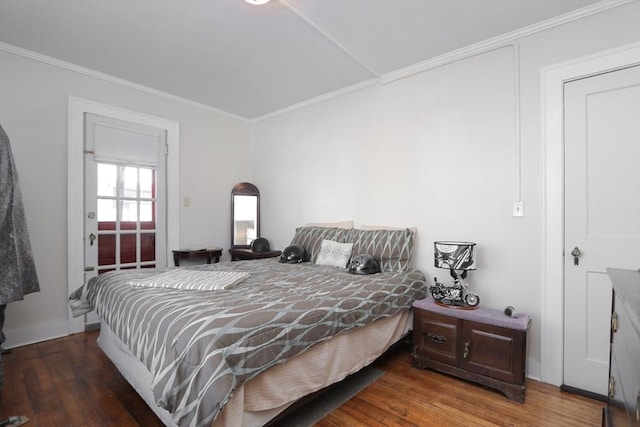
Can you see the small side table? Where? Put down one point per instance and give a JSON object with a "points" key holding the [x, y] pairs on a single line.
{"points": [[212, 254], [244, 254], [482, 345]]}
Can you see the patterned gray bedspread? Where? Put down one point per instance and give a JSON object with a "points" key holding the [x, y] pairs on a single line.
{"points": [[200, 345]]}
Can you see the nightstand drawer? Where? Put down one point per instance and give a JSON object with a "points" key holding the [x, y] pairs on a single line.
{"points": [[436, 336]]}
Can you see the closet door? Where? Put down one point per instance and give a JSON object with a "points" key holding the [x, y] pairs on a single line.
{"points": [[602, 214]]}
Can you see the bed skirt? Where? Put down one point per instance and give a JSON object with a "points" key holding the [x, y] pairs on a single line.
{"points": [[262, 398]]}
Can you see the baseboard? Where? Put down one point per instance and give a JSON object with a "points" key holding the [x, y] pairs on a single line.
{"points": [[584, 393], [19, 337], [533, 369]]}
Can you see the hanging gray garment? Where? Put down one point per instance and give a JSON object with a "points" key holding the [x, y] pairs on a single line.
{"points": [[17, 269]]}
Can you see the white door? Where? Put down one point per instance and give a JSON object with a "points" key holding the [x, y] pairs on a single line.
{"points": [[125, 210], [602, 214]]}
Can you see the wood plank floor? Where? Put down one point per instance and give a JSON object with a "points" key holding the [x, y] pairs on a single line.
{"points": [[70, 382]]}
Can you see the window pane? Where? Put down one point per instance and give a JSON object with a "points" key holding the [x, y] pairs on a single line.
{"points": [[106, 210], [146, 183], [128, 225], [107, 179], [129, 182], [129, 210], [146, 211], [127, 248], [106, 225], [106, 249], [147, 247]]}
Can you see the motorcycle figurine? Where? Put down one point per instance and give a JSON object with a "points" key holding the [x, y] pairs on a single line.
{"points": [[458, 294]]}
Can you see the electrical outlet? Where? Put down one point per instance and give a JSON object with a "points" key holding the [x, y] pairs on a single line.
{"points": [[518, 208]]}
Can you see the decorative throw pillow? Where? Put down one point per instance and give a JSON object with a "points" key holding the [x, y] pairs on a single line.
{"points": [[334, 253]]}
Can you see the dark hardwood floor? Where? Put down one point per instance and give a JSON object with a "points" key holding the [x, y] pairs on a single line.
{"points": [[70, 382]]}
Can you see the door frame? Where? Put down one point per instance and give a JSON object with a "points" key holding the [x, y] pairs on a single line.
{"points": [[552, 81], [75, 185]]}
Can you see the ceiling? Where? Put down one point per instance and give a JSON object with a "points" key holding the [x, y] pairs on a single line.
{"points": [[252, 61]]}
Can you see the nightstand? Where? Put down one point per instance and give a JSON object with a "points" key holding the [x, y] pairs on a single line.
{"points": [[623, 400], [482, 345], [212, 254], [244, 254]]}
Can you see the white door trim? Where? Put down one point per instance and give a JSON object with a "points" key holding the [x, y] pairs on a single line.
{"points": [[75, 188], [552, 157]]}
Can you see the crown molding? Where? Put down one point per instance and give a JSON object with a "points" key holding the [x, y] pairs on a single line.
{"points": [[111, 79], [448, 58], [488, 45], [501, 41]]}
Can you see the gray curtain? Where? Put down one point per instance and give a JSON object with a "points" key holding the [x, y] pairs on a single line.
{"points": [[17, 269]]}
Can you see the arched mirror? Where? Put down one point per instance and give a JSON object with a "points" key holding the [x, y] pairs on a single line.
{"points": [[245, 215]]}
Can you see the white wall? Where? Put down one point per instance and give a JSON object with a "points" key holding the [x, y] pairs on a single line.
{"points": [[435, 151], [33, 112]]}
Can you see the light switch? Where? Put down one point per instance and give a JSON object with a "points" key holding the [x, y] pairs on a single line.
{"points": [[518, 208], [187, 201]]}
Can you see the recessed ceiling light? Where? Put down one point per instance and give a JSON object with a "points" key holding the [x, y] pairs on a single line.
{"points": [[257, 2]]}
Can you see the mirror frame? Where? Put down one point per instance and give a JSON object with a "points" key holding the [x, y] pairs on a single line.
{"points": [[244, 189]]}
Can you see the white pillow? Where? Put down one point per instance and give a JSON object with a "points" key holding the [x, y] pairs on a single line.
{"points": [[194, 280], [414, 230], [334, 253], [339, 224]]}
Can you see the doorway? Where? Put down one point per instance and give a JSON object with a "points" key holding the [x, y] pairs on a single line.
{"points": [[552, 235], [79, 110], [124, 200], [602, 215]]}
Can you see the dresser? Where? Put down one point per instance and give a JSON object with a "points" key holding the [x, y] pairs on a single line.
{"points": [[482, 345], [623, 402]]}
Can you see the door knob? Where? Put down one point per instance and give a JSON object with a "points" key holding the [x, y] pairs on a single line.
{"points": [[92, 237], [576, 254]]}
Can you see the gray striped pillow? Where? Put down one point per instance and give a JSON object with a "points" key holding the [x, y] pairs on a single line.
{"points": [[393, 248], [311, 238]]}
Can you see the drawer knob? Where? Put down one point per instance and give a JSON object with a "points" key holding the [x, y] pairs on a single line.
{"points": [[437, 338], [465, 353]]}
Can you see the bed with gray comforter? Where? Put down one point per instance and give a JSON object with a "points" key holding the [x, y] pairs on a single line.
{"points": [[199, 345]]}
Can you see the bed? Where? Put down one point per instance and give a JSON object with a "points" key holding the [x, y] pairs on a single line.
{"points": [[240, 350]]}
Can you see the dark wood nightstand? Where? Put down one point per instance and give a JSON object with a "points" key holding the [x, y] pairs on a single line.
{"points": [[212, 254], [623, 400], [243, 254], [482, 345]]}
